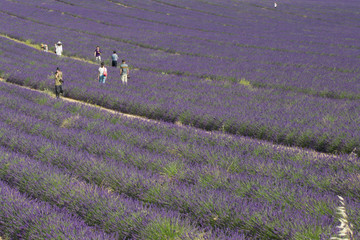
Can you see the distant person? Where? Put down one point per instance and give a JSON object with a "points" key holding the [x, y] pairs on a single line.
{"points": [[124, 72], [114, 58], [58, 82], [275, 4], [102, 73], [44, 47], [58, 48], [97, 54]]}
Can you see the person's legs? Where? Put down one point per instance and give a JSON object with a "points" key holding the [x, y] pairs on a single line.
{"points": [[57, 93], [114, 63], [102, 79], [125, 79], [61, 90]]}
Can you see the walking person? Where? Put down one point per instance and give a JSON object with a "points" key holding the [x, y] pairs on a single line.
{"points": [[114, 58], [124, 72], [97, 54], [102, 73], [275, 4], [58, 48], [58, 82]]}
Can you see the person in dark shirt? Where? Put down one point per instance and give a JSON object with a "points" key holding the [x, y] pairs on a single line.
{"points": [[97, 54]]}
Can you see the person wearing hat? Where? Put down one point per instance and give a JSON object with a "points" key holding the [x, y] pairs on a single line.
{"points": [[58, 82], [58, 48]]}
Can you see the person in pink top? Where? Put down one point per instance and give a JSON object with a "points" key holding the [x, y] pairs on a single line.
{"points": [[102, 73]]}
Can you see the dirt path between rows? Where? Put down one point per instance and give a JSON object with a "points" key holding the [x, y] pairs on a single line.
{"points": [[83, 103], [178, 124]]}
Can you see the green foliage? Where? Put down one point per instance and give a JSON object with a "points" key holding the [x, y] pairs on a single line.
{"points": [[310, 234], [41, 100], [173, 170], [165, 229]]}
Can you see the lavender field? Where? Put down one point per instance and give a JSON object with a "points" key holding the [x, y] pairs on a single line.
{"points": [[252, 129], [132, 178], [233, 70]]}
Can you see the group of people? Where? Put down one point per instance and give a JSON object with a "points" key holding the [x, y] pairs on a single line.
{"points": [[124, 72], [58, 48], [102, 71], [124, 68]]}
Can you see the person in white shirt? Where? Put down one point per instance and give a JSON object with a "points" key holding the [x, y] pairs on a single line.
{"points": [[102, 73], [58, 48], [275, 4]]}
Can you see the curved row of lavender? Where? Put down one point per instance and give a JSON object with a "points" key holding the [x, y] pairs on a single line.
{"points": [[26, 218], [267, 57], [327, 125], [122, 217], [217, 182]]}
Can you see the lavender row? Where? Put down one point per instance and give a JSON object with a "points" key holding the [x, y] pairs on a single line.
{"points": [[173, 154], [26, 218], [251, 63], [184, 170], [183, 100], [96, 205], [224, 210], [261, 185]]}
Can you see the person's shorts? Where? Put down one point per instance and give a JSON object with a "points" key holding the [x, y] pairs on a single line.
{"points": [[98, 59], [114, 63]]}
